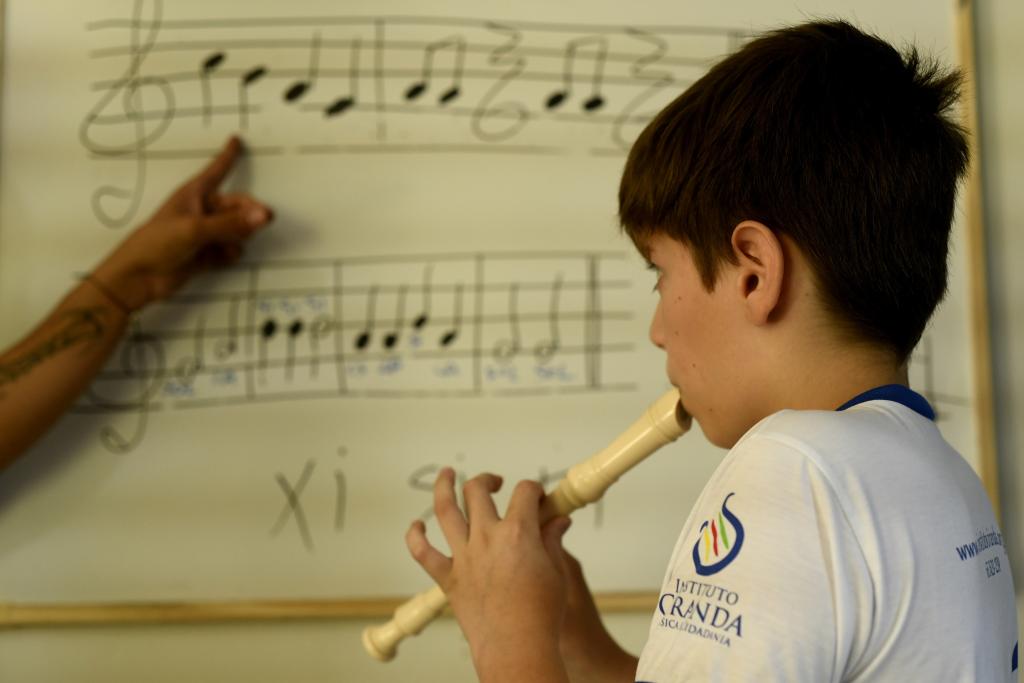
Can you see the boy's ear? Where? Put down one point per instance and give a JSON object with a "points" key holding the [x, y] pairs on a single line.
{"points": [[760, 270]]}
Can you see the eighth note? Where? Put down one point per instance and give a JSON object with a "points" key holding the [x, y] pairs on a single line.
{"points": [[596, 100], [459, 46]]}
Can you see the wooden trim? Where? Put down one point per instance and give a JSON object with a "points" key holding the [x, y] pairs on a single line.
{"points": [[984, 407], [3, 50], [15, 615]]}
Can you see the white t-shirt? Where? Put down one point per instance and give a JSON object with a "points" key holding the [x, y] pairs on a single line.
{"points": [[854, 545]]}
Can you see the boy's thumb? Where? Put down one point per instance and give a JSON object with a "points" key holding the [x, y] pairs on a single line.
{"points": [[554, 530]]}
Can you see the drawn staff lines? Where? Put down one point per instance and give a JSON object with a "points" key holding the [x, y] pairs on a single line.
{"points": [[374, 84], [405, 326], [435, 21]]}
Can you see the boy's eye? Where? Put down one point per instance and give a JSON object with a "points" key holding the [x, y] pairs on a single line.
{"points": [[657, 273]]}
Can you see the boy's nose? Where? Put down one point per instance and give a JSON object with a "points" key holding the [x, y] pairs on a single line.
{"points": [[655, 333]]}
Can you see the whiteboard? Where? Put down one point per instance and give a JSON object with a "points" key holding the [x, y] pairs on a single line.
{"points": [[445, 283]]}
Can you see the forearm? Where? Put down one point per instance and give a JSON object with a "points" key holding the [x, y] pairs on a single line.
{"points": [[597, 658], [590, 653], [43, 374], [538, 663]]}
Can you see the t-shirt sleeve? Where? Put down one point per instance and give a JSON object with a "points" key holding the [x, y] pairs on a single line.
{"points": [[767, 579]]}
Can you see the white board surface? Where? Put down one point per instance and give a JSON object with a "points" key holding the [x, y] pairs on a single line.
{"points": [[444, 283]]}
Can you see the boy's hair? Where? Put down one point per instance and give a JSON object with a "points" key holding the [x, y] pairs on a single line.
{"points": [[831, 137]]}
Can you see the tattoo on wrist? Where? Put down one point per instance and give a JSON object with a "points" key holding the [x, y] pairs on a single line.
{"points": [[80, 326]]}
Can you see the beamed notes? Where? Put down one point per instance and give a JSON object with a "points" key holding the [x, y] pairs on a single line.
{"points": [[412, 85], [438, 326]]}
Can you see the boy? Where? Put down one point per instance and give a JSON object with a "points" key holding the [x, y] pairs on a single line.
{"points": [[796, 205]]}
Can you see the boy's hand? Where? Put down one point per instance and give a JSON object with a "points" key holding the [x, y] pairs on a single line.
{"points": [[504, 579], [196, 228]]}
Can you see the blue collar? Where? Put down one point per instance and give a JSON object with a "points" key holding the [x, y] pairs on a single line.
{"points": [[894, 392]]}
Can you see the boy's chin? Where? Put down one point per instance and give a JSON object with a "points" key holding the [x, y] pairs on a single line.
{"points": [[722, 436]]}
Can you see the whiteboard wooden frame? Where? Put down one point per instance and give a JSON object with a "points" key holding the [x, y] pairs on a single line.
{"points": [[984, 408], [24, 616], [18, 615]]}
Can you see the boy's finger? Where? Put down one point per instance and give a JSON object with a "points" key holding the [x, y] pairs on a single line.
{"points": [[552, 534], [477, 496], [525, 503], [437, 565], [446, 508]]}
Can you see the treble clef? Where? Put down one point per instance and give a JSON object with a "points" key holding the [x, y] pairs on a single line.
{"points": [[142, 361], [129, 88]]}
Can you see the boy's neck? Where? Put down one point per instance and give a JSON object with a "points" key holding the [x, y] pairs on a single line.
{"points": [[834, 380]]}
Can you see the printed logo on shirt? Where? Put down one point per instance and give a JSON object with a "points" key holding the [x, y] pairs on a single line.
{"points": [[719, 541], [703, 610]]}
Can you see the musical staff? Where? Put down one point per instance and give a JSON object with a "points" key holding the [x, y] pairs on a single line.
{"points": [[411, 85], [308, 335]]}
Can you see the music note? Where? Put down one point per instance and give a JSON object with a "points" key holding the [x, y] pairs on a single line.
{"points": [[392, 337], [453, 333], [223, 348], [596, 100], [294, 330], [318, 329], [363, 340], [298, 89], [190, 366], [424, 317], [456, 44], [506, 349], [267, 333], [244, 84], [546, 348], [342, 104], [210, 65]]}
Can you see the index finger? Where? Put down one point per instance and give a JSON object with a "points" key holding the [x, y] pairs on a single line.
{"points": [[211, 177], [446, 508]]}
